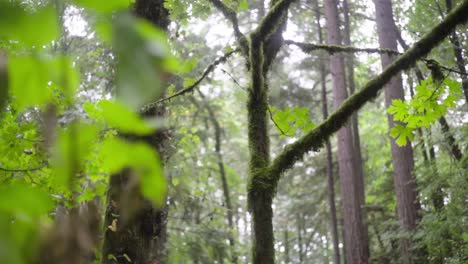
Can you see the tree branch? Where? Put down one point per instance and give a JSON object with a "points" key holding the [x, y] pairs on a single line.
{"points": [[190, 88], [271, 18], [21, 170], [231, 15], [309, 47], [317, 137]]}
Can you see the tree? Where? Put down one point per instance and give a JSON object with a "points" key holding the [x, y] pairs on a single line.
{"points": [[113, 137], [356, 244], [402, 157], [135, 229], [330, 176]]}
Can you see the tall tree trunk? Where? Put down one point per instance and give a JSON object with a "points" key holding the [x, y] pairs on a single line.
{"points": [[355, 239], [402, 157], [457, 51], [222, 173], [134, 229], [330, 177], [354, 119]]}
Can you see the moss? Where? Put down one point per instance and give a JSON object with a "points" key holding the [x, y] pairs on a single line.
{"points": [[309, 48], [271, 21], [317, 137]]}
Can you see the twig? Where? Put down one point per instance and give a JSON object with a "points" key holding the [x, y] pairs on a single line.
{"points": [[274, 122], [452, 70], [21, 170], [233, 79], [230, 15], [190, 88]]}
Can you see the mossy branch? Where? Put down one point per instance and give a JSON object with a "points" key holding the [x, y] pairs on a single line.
{"points": [[318, 136], [269, 23], [190, 88], [231, 15], [309, 47]]}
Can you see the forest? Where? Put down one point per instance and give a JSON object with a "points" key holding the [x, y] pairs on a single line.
{"points": [[233, 131]]}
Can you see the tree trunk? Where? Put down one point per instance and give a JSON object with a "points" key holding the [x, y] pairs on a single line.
{"points": [[330, 177], [135, 231], [262, 182], [402, 157], [457, 51], [354, 118], [224, 182], [355, 239]]}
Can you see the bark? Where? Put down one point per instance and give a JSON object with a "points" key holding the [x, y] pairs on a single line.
{"points": [[457, 51], [402, 157], [135, 230], [454, 149], [330, 177], [355, 239], [354, 118], [265, 42]]}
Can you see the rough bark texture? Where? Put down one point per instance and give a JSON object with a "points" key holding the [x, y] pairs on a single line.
{"points": [[402, 157], [330, 177], [135, 231], [355, 240], [354, 119]]}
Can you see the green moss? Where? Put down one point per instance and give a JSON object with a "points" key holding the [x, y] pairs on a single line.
{"points": [[271, 21]]}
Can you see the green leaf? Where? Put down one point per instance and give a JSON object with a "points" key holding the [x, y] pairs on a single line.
{"points": [[32, 28], [72, 147], [24, 202], [189, 81], [144, 58], [104, 6], [42, 73], [117, 154], [119, 116], [243, 5]]}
